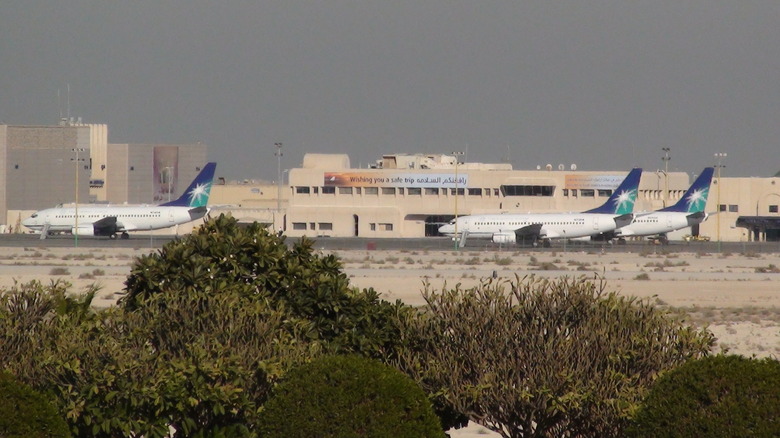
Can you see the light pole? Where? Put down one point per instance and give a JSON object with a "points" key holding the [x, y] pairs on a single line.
{"points": [[457, 161], [720, 156], [278, 154], [76, 229], [666, 159]]}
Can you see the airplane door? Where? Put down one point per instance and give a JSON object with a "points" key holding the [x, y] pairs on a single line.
{"points": [[171, 218], [596, 223]]}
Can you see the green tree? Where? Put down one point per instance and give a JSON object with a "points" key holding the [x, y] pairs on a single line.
{"points": [[258, 265], [348, 396], [719, 396], [539, 358], [24, 413]]}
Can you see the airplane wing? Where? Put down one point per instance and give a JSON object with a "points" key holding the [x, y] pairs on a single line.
{"points": [[198, 212], [106, 226], [623, 220], [698, 215], [529, 233]]}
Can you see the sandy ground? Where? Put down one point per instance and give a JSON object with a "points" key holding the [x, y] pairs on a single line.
{"points": [[736, 295]]}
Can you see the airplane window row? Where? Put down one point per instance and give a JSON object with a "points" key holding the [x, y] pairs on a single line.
{"points": [[60, 216], [575, 222]]}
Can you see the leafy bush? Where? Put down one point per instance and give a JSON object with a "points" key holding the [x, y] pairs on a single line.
{"points": [[348, 396], [537, 357], [201, 365], [25, 413], [259, 266], [720, 396]]}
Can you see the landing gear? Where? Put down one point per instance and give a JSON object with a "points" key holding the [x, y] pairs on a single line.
{"points": [[112, 236], [546, 243], [125, 236]]}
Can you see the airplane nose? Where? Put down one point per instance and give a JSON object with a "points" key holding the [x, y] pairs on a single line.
{"points": [[446, 229]]}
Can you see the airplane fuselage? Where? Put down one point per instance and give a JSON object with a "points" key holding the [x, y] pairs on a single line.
{"points": [[659, 222], [128, 218], [553, 225]]}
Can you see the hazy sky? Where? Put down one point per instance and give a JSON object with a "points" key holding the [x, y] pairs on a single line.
{"points": [[603, 84]]}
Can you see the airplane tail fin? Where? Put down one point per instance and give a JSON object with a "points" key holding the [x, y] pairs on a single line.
{"points": [[623, 198], [197, 194], [694, 200]]}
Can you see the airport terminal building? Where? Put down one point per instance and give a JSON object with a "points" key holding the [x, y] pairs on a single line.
{"points": [[410, 195]]}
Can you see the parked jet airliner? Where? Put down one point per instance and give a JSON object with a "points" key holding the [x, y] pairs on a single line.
{"points": [[108, 220], [532, 227], [688, 211]]}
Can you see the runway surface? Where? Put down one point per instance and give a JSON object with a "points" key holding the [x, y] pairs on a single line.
{"points": [[423, 243]]}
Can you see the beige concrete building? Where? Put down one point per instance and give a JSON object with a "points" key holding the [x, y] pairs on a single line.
{"points": [[747, 209], [150, 173], [410, 195], [42, 166]]}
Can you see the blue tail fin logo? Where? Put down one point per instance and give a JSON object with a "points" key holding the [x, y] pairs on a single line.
{"points": [[694, 200], [197, 194], [623, 198]]}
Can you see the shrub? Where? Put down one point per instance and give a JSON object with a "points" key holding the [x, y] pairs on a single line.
{"points": [[538, 357], [719, 396], [59, 271], [26, 413], [348, 396], [259, 266]]}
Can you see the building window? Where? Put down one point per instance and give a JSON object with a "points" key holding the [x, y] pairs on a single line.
{"points": [[301, 190], [316, 190], [357, 190], [475, 192], [495, 192], [326, 226], [773, 209], [565, 192], [722, 207], [415, 191], [523, 190], [388, 190], [328, 190], [372, 190], [400, 190], [605, 193], [311, 225], [733, 208], [299, 225], [386, 227], [372, 227], [345, 190], [431, 191], [587, 193], [461, 191]]}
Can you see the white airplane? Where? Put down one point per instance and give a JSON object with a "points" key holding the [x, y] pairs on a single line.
{"points": [[688, 211], [532, 227], [108, 220]]}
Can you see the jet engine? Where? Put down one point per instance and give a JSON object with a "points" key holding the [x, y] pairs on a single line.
{"points": [[86, 230], [504, 238]]}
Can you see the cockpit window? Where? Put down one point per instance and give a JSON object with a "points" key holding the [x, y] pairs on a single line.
{"points": [[34, 215]]}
